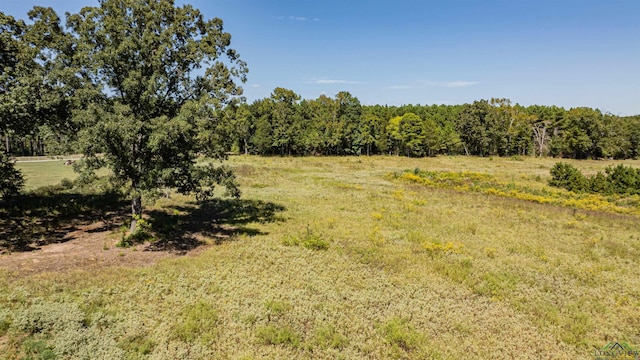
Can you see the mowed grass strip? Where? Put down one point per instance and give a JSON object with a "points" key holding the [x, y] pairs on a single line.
{"points": [[405, 271]]}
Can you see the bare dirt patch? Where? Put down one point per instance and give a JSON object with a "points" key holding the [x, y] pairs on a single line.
{"points": [[37, 239], [86, 248]]}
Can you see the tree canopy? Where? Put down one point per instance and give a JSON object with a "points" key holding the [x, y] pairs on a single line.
{"points": [[287, 125], [160, 77], [31, 62]]}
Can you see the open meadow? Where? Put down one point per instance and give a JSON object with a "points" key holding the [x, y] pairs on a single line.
{"points": [[332, 258]]}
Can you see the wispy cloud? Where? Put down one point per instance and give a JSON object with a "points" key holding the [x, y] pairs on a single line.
{"points": [[333, 81], [256, 85], [296, 18], [458, 84]]}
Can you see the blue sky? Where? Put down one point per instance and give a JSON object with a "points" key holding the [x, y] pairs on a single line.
{"points": [[563, 52]]}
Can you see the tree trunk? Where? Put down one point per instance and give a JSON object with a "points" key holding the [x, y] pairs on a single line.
{"points": [[136, 212], [40, 146], [136, 200]]}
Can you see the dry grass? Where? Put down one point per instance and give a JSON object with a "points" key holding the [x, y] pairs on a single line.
{"points": [[409, 272]]}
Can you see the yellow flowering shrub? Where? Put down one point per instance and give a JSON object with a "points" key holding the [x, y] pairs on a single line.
{"points": [[468, 181], [435, 247]]}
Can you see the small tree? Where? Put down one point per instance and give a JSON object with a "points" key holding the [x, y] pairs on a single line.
{"points": [[164, 74], [11, 180]]}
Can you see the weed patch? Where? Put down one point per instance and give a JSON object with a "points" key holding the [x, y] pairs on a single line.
{"points": [[138, 344], [400, 334], [329, 337], [59, 330], [197, 322], [438, 247], [277, 308], [278, 335], [309, 239], [37, 349], [487, 184]]}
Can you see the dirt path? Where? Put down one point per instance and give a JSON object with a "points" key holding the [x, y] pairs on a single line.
{"points": [[86, 249]]}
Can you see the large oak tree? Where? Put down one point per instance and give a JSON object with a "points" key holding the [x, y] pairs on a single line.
{"points": [[163, 75]]}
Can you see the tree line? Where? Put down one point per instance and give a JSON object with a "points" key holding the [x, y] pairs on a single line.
{"points": [[285, 124]]}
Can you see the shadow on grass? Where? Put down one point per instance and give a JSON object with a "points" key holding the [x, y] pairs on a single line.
{"points": [[30, 221], [50, 216], [176, 228]]}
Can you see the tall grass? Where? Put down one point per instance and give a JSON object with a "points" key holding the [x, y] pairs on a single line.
{"points": [[406, 271]]}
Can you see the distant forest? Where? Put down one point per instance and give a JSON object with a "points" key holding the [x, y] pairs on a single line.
{"points": [[284, 124], [67, 89]]}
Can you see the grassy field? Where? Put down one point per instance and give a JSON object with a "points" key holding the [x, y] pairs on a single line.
{"points": [[351, 263], [43, 173]]}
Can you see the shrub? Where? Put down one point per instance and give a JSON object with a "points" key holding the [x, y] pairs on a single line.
{"points": [[143, 233], [66, 183], [496, 284], [623, 179], [620, 179], [568, 177], [599, 184]]}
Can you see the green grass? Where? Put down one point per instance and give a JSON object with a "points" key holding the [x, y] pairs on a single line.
{"points": [[482, 183], [43, 171], [405, 271], [38, 174]]}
